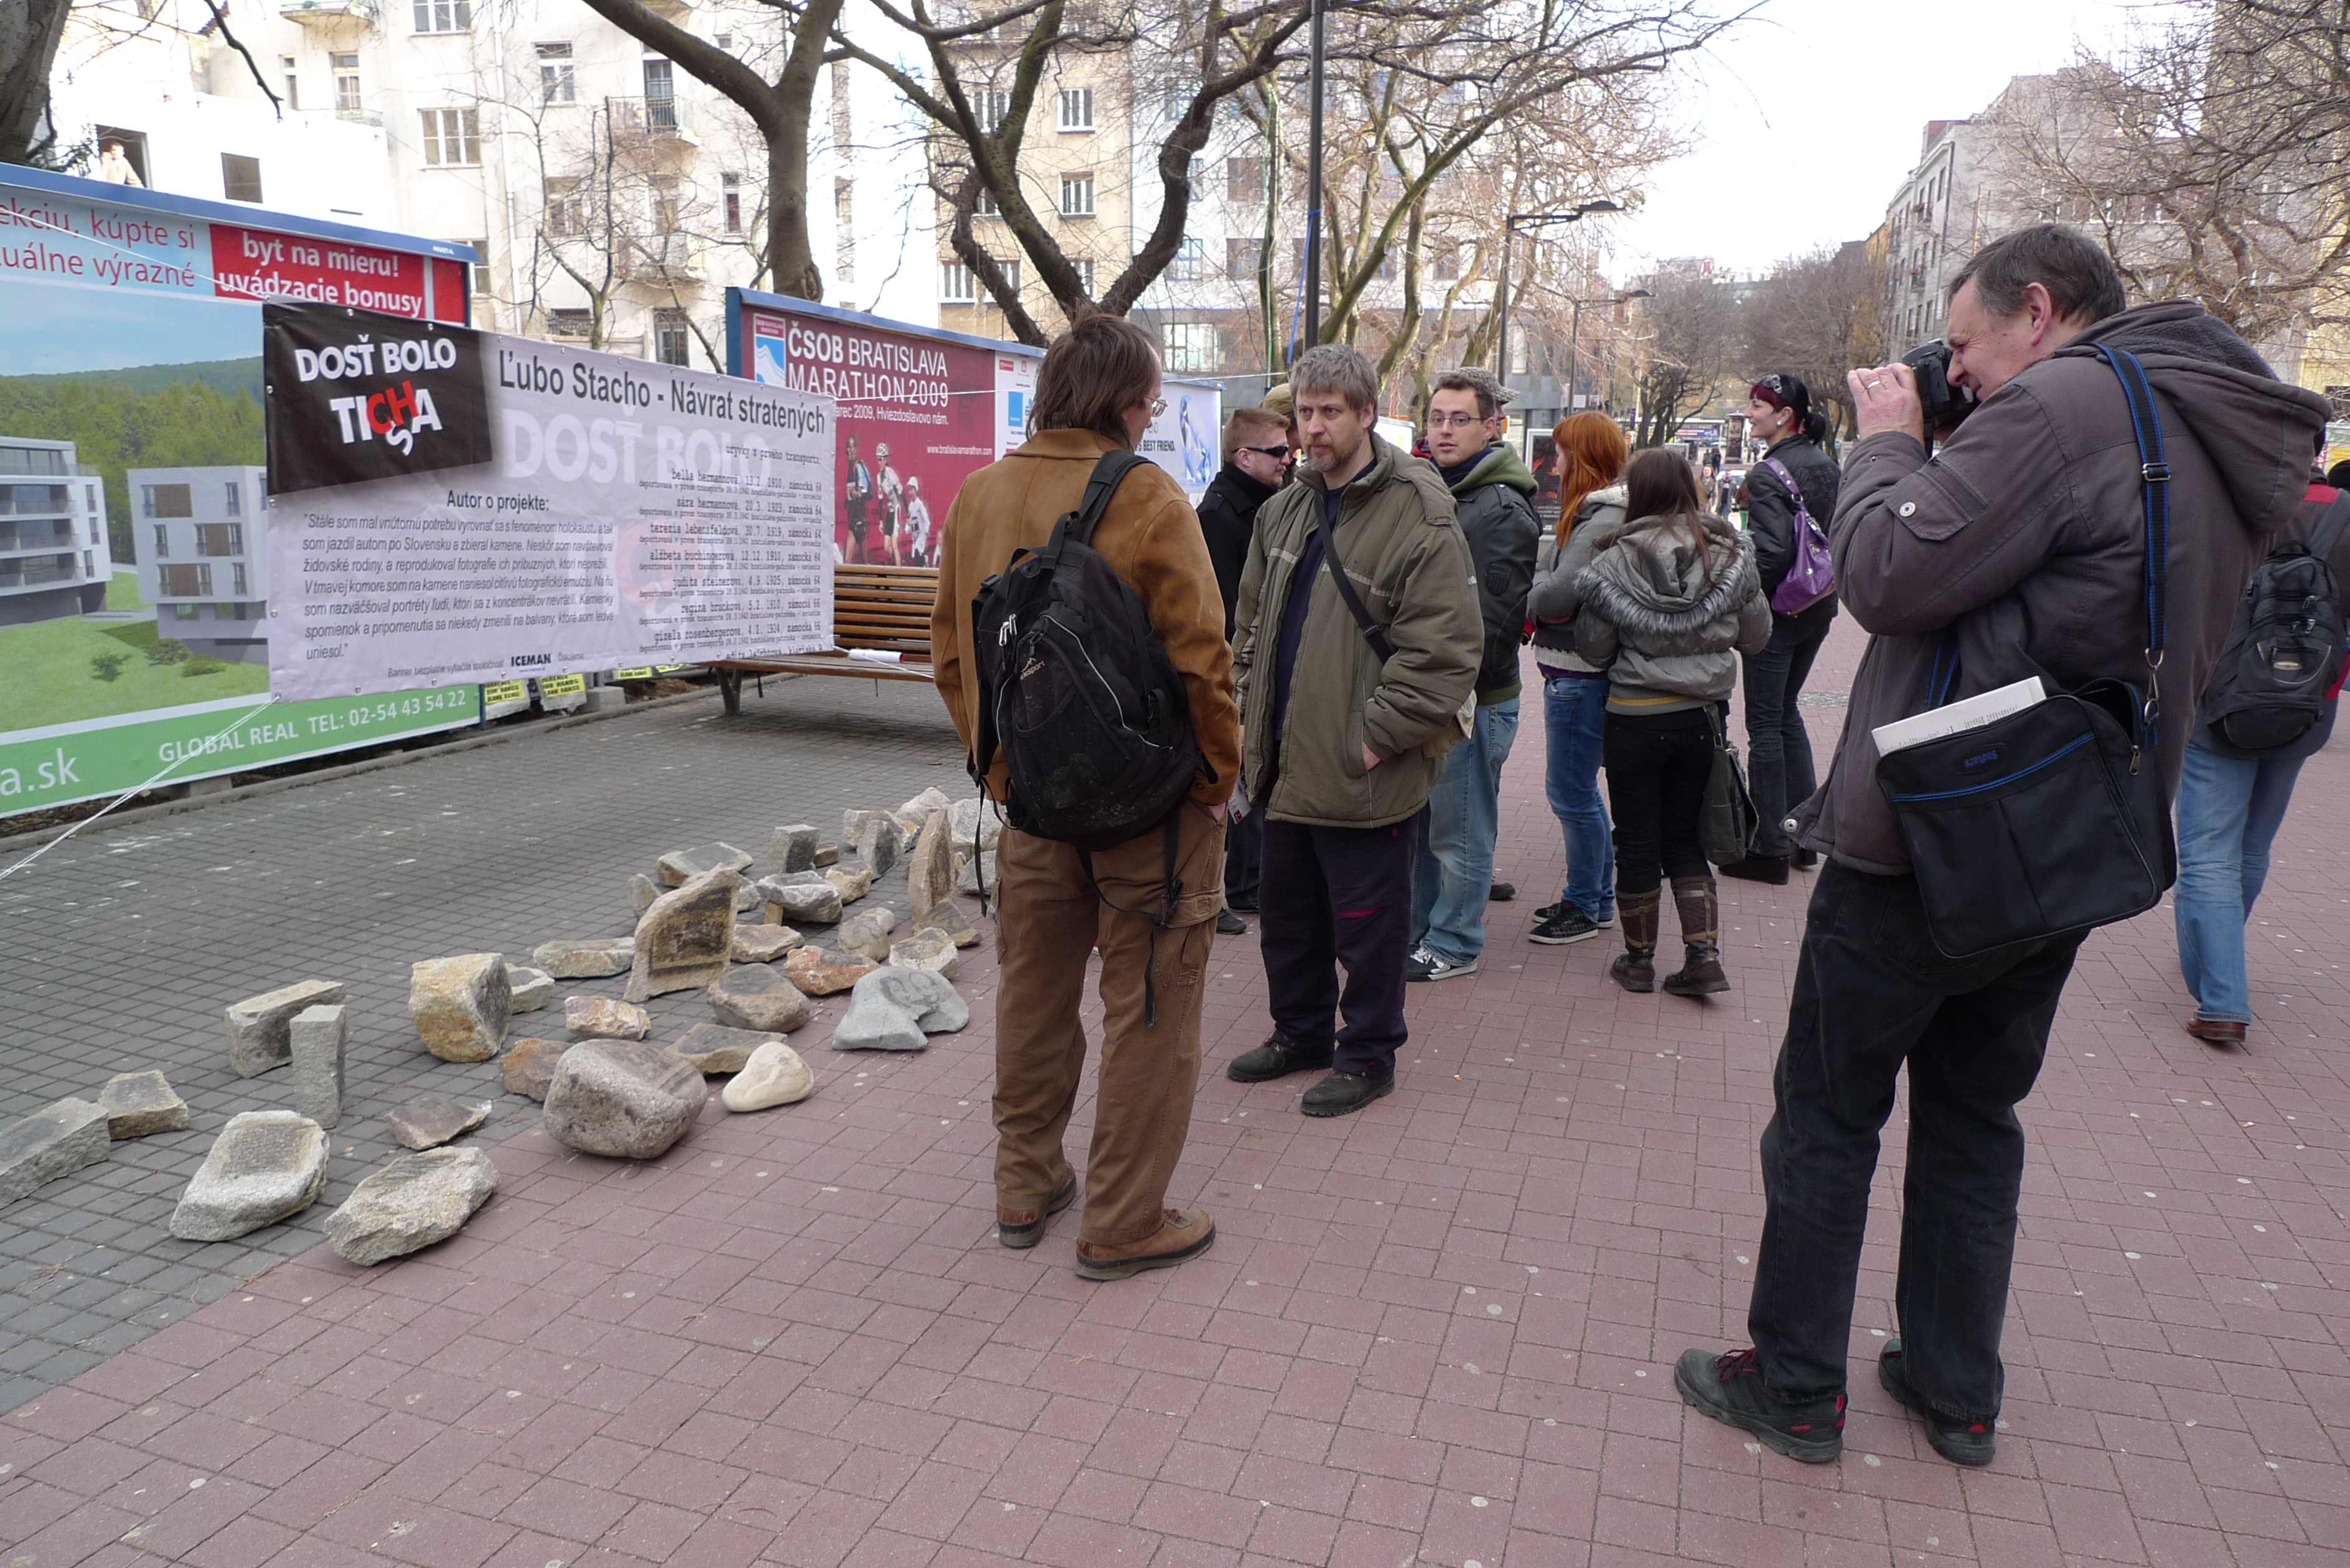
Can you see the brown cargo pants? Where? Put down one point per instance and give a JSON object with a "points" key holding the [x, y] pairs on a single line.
{"points": [[1047, 925]]}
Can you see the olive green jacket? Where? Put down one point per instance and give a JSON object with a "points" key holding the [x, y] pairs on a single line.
{"points": [[1405, 553]]}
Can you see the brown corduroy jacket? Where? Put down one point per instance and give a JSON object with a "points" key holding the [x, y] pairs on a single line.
{"points": [[1151, 539]]}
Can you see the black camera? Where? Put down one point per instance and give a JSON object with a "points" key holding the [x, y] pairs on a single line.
{"points": [[1946, 405]]}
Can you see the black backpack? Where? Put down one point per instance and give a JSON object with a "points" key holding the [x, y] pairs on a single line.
{"points": [[2267, 695]]}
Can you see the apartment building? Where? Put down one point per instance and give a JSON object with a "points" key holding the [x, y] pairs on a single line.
{"points": [[200, 535], [54, 557]]}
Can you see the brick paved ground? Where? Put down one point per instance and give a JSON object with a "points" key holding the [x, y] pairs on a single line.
{"points": [[1438, 1332]]}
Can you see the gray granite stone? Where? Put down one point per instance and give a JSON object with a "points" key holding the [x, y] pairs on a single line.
{"points": [[683, 940], [428, 1124], [138, 1104], [460, 1005], [56, 1141], [626, 1100], [264, 1166], [412, 1202], [792, 848], [532, 988], [257, 1035], [758, 996], [590, 957], [682, 865], [321, 1051]]}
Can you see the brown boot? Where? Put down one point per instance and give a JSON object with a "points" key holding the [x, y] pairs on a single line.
{"points": [[1700, 971], [1182, 1234], [1635, 968]]}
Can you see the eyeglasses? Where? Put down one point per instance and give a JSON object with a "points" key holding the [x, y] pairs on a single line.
{"points": [[1281, 454], [1158, 407], [1453, 421]]}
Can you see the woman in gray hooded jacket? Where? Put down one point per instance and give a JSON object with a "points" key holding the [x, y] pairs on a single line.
{"points": [[1669, 601]]}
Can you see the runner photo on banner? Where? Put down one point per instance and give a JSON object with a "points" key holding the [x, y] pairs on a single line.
{"points": [[450, 505]]}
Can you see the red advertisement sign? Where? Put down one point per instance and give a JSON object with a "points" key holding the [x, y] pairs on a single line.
{"points": [[917, 416], [258, 264]]}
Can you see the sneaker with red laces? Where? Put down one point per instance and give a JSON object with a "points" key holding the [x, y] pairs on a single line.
{"points": [[1729, 1389], [1961, 1442]]}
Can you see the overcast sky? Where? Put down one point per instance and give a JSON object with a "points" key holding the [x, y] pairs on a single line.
{"points": [[1808, 119]]}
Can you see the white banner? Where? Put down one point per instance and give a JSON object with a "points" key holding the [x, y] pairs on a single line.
{"points": [[452, 507]]}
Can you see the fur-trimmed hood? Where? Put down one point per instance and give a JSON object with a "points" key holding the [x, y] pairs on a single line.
{"points": [[1647, 576]]}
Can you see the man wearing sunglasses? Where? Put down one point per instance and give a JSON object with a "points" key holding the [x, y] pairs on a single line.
{"points": [[1257, 464]]}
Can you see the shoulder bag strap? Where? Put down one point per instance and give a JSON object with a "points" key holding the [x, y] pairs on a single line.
{"points": [[1373, 633], [2328, 534], [2154, 489], [1788, 478], [1113, 468]]}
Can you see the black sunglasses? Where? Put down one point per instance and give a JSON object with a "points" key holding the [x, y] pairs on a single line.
{"points": [[1281, 452]]}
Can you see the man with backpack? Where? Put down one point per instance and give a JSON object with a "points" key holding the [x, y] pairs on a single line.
{"points": [[1078, 642], [2269, 708], [1358, 646]]}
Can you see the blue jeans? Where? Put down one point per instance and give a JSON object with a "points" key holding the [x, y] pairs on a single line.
{"points": [[1778, 747], [2229, 812], [1452, 870], [1575, 725]]}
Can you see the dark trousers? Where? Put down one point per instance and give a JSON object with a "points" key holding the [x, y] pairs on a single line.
{"points": [[1243, 859], [1871, 992], [1656, 765], [1778, 747], [1334, 896]]}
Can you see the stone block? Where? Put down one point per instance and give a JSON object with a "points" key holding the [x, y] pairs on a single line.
{"points": [[589, 957], [714, 1048], [460, 1005], [792, 848], [983, 863], [929, 867], [973, 827], [642, 891], [801, 903], [947, 917], [825, 854], [682, 865], [56, 1141], [428, 1124], [321, 1048], [898, 1009], [933, 951], [852, 882], [757, 996], [264, 1166], [683, 940], [140, 1103], [910, 816], [627, 1101], [257, 1036], [529, 1067], [601, 1018], [821, 973], [532, 988], [867, 932], [413, 1201], [879, 842], [763, 944], [774, 1075]]}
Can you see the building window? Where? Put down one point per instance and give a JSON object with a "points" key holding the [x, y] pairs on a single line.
{"points": [[233, 499], [186, 612], [1010, 266], [166, 500], [1244, 178], [1190, 258], [571, 323], [162, 541], [955, 284], [346, 84], [195, 582], [1084, 266], [444, 16], [670, 337], [730, 187], [1076, 195], [236, 580], [220, 539], [1077, 108], [554, 83], [994, 107], [665, 207], [565, 214], [660, 94], [1242, 257], [481, 269], [452, 138], [88, 564], [1189, 346], [293, 83], [240, 177]]}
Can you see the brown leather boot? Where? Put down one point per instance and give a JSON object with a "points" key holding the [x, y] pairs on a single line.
{"points": [[1701, 972], [1182, 1234], [1635, 968], [1021, 1228]]}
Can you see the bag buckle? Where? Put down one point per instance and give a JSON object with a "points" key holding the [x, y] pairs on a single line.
{"points": [[2155, 473]]}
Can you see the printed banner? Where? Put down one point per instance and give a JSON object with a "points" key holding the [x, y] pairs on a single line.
{"points": [[464, 506], [134, 586]]}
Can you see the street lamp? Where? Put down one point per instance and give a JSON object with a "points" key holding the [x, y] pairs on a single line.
{"points": [[1575, 331], [1501, 294]]}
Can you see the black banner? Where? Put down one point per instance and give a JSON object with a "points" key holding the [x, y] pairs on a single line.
{"points": [[355, 395]]}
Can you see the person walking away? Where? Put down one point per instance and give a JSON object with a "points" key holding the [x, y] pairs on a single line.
{"points": [[1343, 741], [1665, 599], [856, 499], [1591, 455], [1098, 391], [2232, 799], [1256, 464], [2019, 548], [1493, 498], [1778, 747]]}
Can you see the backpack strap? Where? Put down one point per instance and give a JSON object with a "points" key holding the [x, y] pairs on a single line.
{"points": [[2328, 534], [2154, 491], [1373, 633], [1108, 474]]}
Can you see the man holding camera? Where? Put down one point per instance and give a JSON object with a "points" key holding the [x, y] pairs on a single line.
{"points": [[2022, 540]]}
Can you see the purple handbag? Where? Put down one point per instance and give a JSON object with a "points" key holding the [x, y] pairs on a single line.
{"points": [[1811, 570]]}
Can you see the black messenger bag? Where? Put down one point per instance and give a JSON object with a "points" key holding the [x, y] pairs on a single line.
{"points": [[2053, 820]]}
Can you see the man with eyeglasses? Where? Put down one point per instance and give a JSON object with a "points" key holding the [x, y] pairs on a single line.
{"points": [[1257, 464], [1492, 492]]}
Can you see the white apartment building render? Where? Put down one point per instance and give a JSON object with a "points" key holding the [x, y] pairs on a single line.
{"points": [[200, 536], [54, 559]]}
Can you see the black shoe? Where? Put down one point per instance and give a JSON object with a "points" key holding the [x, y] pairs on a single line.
{"points": [[1276, 1059], [1771, 868], [1729, 1389], [1569, 924], [1961, 1442], [1804, 859], [1021, 1234], [1343, 1094], [1231, 924], [1502, 892], [1239, 906]]}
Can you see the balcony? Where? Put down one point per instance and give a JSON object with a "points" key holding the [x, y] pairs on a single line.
{"points": [[20, 538], [653, 120], [672, 258], [35, 577], [329, 14]]}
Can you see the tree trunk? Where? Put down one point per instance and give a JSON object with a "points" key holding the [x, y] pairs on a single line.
{"points": [[789, 261], [30, 31]]}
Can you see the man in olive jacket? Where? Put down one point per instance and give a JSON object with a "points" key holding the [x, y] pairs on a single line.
{"points": [[1339, 747]]}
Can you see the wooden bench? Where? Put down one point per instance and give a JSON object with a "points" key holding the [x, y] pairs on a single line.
{"points": [[876, 608]]}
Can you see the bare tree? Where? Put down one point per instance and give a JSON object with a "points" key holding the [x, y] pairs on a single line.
{"points": [[1818, 315], [30, 32], [1692, 328]]}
